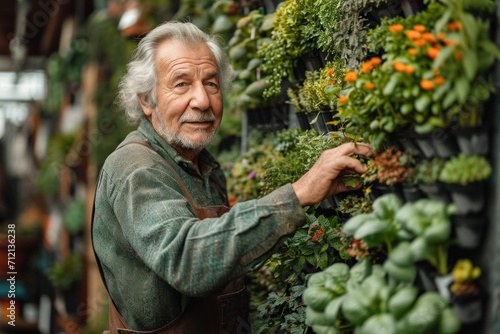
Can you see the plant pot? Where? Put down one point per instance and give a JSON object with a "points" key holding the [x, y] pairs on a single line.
{"points": [[444, 143], [309, 61], [469, 308], [425, 146], [318, 121], [469, 198], [380, 189], [472, 140], [411, 192], [435, 191], [469, 229], [303, 121], [429, 280]]}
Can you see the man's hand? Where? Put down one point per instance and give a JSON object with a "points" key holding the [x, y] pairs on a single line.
{"points": [[324, 177]]}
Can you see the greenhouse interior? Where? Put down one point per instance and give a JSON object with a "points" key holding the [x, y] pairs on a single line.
{"points": [[413, 247]]}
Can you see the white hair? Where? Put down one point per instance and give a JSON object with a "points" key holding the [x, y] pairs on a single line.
{"points": [[141, 79]]}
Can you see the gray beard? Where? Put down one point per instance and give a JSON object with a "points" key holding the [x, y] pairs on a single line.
{"points": [[181, 141]]}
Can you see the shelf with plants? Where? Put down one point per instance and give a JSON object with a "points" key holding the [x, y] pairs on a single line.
{"points": [[417, 86]]}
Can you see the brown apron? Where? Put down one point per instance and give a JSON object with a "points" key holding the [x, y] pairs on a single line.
{"points": [[224, 313]]}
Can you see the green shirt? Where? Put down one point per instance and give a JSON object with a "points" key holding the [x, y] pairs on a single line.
{"points": [[154, 251]]}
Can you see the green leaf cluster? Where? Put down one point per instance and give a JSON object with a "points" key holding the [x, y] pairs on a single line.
{"points": [[363, 299], [464, 169]]}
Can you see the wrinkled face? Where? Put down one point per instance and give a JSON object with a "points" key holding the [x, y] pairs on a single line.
{"points": [[189, 100]]}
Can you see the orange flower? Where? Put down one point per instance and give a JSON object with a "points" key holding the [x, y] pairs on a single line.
{"points": [[413, 35], [409, 69], [419, 27], [399, 66], [441, 35], [366, 67], [350, 76], [343, 99], [458, 55], [333, 81], [375, 61], [448, 42], [433, 52], [395, 28], [426, 84], [435, 71], [420, 42], [454, 26], [329, 72], [370, 85], [429, 37], [439, 80], [412, 51]]}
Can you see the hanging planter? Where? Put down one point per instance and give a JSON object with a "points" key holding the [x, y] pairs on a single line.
{"points": [[429, 280], [469, 198], [468, 308], [464, 176], [444, 143], [319, 121], [411, 192], [435, 191], [472, 140], [469, 229], [303, 121], [465, 292]]}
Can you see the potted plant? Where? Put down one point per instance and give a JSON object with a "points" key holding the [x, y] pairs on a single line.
{"points": [[250, 80], [427, 177], [419, 80], [362, 299], [290, 40], [464, 176], [312, 97], [465, 291], [387, 170]]}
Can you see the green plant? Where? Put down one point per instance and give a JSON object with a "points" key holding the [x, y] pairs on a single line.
{"points": [[343, 29], [74, 215], [422, 79], [465, 275], [353, 205], [291, 38], [283, 312], [363, 299], [464, 169], [425, 227], [250, 80], [389, 166], [296, 158], [65, 273], [428, 170], [419, 231]]}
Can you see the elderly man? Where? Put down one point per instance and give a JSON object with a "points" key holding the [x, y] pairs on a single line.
{"points": [[171, 252]]}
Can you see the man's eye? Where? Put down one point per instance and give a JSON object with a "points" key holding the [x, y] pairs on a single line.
{"points": [[212, 84], [181, 84]]}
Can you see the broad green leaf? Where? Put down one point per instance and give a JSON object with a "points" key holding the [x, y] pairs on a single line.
{"points": [[402, 300], [470, 63], [462, 88]]}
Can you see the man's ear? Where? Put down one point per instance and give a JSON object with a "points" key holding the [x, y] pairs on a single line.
{"points": [[145, 105]]}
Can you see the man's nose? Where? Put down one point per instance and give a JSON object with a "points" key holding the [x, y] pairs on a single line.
{"points": [[199, 98]]}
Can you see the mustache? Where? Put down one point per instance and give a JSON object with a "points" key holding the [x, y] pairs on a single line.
{"points": [[200, 117]]}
